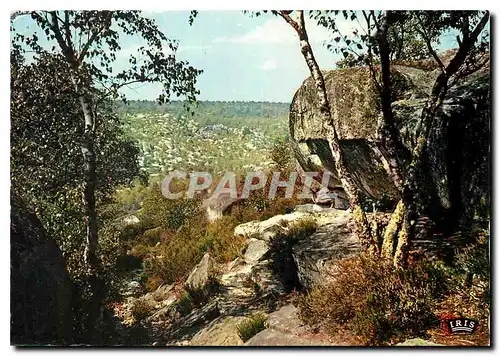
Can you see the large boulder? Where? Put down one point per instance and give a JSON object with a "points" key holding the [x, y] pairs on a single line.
{"points": [[284, 328], [459, 151], [40, 299], [222, 331], [315, 255], [201, 274]]}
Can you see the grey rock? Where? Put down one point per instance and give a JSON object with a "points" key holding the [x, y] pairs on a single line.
{"points": [[284, 328], [222, 331], [459, 142], [270, 337], [417, 342], [308, 208], [217, 204], [41, 290], [267, 229], [315, 254], [201, 274], [256, 250], [133, 288]]}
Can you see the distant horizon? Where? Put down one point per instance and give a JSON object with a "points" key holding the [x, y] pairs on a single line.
{"points": [[209, 101]]}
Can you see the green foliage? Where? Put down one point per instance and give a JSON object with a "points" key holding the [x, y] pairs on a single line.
{"points": [[407, 33], [475, 259], [382, 304], [181, 249], [473, 266], [282, 155], [250, 327], [158, 211], [176, 257], [206, 142], [46, 162], [185, 304], [100, 33], [202, 295], [219, 239]]}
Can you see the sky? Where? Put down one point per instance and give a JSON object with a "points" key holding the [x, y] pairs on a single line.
{"points": [[243, 58]]}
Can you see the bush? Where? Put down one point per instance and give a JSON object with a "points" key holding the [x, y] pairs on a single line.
{"points": [[178, 254], [185, 304], [374, 300], [220, 240], [282, 155], [176, 257], [158, 211], [469, 294], [202, 295], [250, 327], [141, 308]]}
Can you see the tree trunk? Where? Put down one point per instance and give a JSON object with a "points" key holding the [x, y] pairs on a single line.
{"points": [[387, 131], [364, 229], [89, 170], [92, 262], [404, 217]]}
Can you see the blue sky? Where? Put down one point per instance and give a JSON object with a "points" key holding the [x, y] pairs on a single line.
{"points": [[243, 58]]}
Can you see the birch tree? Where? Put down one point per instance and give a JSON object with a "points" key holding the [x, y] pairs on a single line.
{"points": [[88, 42]]}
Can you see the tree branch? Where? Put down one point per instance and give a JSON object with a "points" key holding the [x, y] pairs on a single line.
{"points": [[94, 36], [428, 43], [67, 52], [16, 14], [467, 44], [285, 14]]}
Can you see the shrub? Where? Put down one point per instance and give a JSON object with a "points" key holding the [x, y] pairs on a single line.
{"points": [[173, 260], [151, 236], [141, 308], [374, 300], [220, 240], [282, 155], [158, 211], [185, 304], [250, 327], [178, 254], [258, 206], [202, 295], [469, 294]]}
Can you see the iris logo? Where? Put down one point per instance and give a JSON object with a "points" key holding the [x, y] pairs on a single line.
{"points": [[462, 325]]}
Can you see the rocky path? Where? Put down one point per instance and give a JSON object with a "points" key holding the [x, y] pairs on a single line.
{"points": [[249, 285]]}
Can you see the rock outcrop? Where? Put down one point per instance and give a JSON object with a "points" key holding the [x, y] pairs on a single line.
{"points": [[315, 254], [459, 144], [40, 286], [249, 284], [201, 274], [284, 328]]}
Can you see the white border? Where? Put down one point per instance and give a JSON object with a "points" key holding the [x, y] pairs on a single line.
{"points": [[188, 5]]}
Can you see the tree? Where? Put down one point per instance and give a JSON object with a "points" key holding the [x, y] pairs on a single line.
{"points": [[298, 24], [387, 37], [470, 25], [46, 167], [380, 46], [85, 44]]}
